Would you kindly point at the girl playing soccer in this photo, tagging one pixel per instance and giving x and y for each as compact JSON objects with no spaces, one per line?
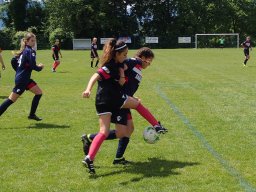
{"x":94,"y":52}
{"x":55,"y":55}
{"x":247,"y":45}
{"x":110,"y":96}
{"x":123,"y":118}
{"x":26,"y":64}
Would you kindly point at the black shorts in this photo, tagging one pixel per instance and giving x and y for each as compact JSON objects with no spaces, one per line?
{"x":55,"y":58}
{"x":110,"y":107}
{"x":246,"y":52}
{"x":20,"y":88}
{"x":121,"y":116}
{"x":94,"y":56}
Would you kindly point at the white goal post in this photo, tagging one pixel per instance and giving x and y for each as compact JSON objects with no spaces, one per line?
{"x":79,"y":44}
{"x":217,"y":34}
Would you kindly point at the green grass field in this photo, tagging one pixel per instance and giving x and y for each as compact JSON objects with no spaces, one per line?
{"x":205,"y":97}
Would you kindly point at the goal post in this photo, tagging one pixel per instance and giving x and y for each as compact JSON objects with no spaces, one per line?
{"x":211,"y":40}
{"x":80,"y":44}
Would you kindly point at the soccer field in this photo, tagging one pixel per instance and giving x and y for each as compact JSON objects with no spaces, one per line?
{"x":205,"y":97}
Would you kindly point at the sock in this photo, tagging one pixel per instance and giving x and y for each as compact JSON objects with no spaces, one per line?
{"x":123,"y":142}
{"x":5,"y":105}
{"x":34,"y":104}
{"x":54,"y":65}
{"x":96,"y":143}
{"x":97,"y":62}
{"x":245,"y":61}
{"x":91,"y":63}
{"x":144,"y":112}
{"x":111,"y":136}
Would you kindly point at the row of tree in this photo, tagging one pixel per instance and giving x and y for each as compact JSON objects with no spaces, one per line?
{"x":166,"y":19}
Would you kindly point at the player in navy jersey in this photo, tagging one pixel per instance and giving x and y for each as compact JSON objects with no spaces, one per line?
{"x":110,"y":97}
{"x":55,"y":55}
{"x":26,"y":63}
{"x":123,"y":117}
{"x":94,"y":52}
{"x":247,"y":45}
{"x":1,"y":61}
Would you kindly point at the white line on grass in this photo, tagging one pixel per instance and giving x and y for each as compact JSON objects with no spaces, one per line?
{"x":231,"y":170}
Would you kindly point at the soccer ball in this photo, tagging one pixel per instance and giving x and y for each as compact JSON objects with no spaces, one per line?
{"x":150,"y":135}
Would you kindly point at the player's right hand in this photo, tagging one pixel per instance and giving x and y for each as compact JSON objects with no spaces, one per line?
{"x":86,"y":94}
{"x":41,"y":65}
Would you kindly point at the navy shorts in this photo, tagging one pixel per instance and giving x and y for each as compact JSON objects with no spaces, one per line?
{"x":56,"y":58}
{"x":20,"y":87}
{"x":121,"y":116}
{"x":246,"y":52}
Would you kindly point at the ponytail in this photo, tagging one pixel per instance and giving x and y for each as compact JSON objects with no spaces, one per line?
{"x":23,"y":42}
{"x":110,"y":49}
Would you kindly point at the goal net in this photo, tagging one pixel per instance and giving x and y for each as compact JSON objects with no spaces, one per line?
{"x":79,"y":44}
{"x":217,"y":40}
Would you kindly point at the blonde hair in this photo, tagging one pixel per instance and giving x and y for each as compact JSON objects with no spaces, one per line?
{"x":23,"y":43}
{"x":110,"y":48}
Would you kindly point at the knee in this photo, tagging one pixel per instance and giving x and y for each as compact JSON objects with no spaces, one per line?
{"x":105,"y":132}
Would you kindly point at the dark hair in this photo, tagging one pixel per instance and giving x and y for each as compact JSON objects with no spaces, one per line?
{"x":110,"y":49}
{"x":145,"y":52}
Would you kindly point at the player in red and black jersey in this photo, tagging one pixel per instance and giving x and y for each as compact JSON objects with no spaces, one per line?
{"x":94,"y":52}
{"x":247,"y":45}
{"x":55,"y":55}
{"x":24,"y":66}
{"x":111,"y":97}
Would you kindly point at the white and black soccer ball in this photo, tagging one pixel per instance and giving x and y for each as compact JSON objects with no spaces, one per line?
{"x":150,"y":135}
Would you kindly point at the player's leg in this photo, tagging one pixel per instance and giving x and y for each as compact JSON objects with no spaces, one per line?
{"x":55,"y":65}
{"x":247,"y":56}
{"x":92,"y":62}
{"x":132,"y":103}
{"x":123,"y":143}
{"x":97,"y":62}
{"x":34,"y":88}
{"x":104,"y":120}
{"x":8,"y":102}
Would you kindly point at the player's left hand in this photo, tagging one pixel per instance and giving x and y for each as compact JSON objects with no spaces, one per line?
{"x":86,"y":94}
{"x":3,"y":67}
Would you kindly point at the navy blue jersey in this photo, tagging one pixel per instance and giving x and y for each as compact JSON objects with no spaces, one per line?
{"x":247,"y":44}
{"x":14,"y":62}
{"x":27,"y":63}
{"x":56,"y":50}
{"x":109,"y":90}
{"x":133,"y":75}
{"x":94,"y":52}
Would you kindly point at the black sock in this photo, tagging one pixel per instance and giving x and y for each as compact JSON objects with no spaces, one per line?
{"x":97,"y":62}
{"x":5,"y":105}
{"x":123,"y":142}
{"x":91,"y":63}
{"x":34,"y":105}
{"x":111,"y":136}
{"x":245,"y":61}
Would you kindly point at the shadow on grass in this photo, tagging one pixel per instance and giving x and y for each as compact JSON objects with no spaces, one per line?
{"x":47,"y":126}
{"x":154,"y":167}
{"x":4,"y":97}
{"x":63,"y":72}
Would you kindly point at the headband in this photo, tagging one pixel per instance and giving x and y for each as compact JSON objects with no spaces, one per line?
{"x":118,"y":48}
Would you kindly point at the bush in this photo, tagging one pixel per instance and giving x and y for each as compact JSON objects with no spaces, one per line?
{"x":5,"y":39}
{"x":64,"y":37}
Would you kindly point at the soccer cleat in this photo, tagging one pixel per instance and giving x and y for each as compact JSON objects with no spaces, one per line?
{"x":160,"y":129}
{"x":121,"y":161}
{"x":34,"y":117}
{"x":89,"y":164}
{"x":53,"y":70}
{"x":86,"y":144}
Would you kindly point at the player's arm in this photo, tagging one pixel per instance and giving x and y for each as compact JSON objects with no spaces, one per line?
{"x":2,"y":62}
{"x":92,"y":81}
{"x":60,"y":54}
{"x":31,"y":59}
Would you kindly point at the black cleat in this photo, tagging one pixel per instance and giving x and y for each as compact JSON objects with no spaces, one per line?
{"x":121,"y":161}
{"x":160,"y":129}
{"x":89,"y":164}
{"x":86,"y":144}
{"x":34,"y":117}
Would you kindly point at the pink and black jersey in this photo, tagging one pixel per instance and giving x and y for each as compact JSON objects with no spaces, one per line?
{"x":109,"y":90}
{"x":56,"y":50}
{"x":133,"y":75}
{"x":247,"y":44}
